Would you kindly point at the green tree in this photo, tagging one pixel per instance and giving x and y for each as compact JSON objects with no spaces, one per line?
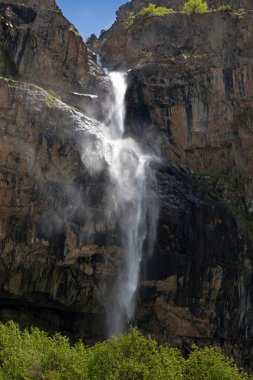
{"x":211,"y":364}
{"x":33,"y":355}
{"x":133,"y":356}
{"x":153,"y":10}
{"x":195,"y":6}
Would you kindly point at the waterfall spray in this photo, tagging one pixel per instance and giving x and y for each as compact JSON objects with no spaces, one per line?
{"x":131,"y":202}
{"x":131,"y":205}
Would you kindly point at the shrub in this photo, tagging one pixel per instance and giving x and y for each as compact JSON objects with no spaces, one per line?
{"x":240,"y":12}
{"x":130,"y":21}
{"x":150,"y":11}
{"x":153,"y":10}
{"x":73,"y":30}
{"x":224,"y":8}
{"x":195,"y":6}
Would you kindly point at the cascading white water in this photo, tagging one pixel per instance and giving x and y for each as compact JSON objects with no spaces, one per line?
{"x":130,"y":205}
{"x":117,"y":116}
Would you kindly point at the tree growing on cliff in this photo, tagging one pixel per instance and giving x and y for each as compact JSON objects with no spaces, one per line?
{"x":195,"y":6}
{"x":153,"y":10}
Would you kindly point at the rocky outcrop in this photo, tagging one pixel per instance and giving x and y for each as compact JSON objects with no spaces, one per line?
{"x":39,"y":45}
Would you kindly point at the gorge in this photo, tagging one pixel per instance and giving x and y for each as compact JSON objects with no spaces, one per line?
{"x":90,"y":187}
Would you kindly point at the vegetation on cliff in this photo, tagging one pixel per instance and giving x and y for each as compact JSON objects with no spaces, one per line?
{"x":190,"y":7}
{"x":150,"y":11}
{"x":195,"y":6}
{"x":153,"y":10}
{"x":32,"y":354}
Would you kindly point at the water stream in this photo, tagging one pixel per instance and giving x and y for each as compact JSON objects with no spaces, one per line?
{"x":132,"y":205}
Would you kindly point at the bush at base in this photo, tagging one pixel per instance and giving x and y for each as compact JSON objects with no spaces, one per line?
{"x":32,"y":354}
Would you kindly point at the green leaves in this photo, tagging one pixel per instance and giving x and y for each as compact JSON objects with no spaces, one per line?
{"x":195,"y":6}
{"x":150,"y":11}
{"x":211,"y":363}
{"x":153,"y":10}
{"x":222,"y":8}
{"x":32,"y":354}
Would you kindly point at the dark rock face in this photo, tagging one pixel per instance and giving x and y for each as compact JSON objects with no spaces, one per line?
{"x":198,"y":284}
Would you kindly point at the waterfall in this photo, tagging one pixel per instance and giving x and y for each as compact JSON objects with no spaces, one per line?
{"x":132,"y":205}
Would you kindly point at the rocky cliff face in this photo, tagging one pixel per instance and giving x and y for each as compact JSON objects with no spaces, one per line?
{"x":40,"y":46}
{"x":53,"y":229}
{"x":190,"y":94}
{"x":191,"y":81}
{"x":190,"y":89}
{"x":190,"y":102}
{"x":48,"y":256}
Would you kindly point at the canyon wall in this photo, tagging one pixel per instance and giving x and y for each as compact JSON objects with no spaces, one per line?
{"x":189,"y":101}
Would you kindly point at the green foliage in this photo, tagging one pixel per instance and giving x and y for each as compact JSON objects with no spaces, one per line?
{"x":224,"y":8}
{"x":32,"y":354}
{"x":130,"y":21}
{"x":52,"y":101}
{"x":153,"y":10}
{"x":73,"y":30}
{"x":240,"y":12}
{"x":134,"y":357}
{"x":150,"y":11}
{"x":211,"y":364}
{"x":195,"y":6}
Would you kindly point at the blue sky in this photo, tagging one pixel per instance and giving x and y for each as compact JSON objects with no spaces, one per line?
{"x":90,"y":16}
